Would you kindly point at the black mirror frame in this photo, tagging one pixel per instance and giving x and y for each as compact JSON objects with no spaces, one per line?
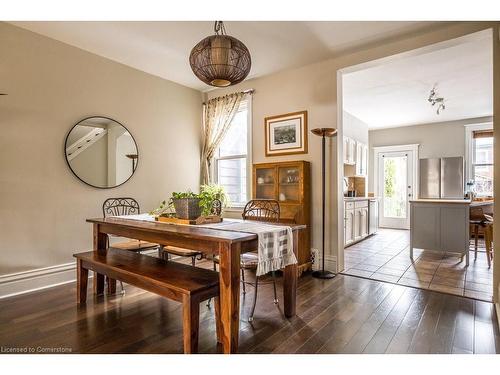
{"x":78,"y":177}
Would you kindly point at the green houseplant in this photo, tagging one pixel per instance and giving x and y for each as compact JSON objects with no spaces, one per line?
{"x":189,"y":205}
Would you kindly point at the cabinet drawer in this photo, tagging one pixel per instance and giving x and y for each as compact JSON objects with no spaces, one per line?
{"x":349,"y":205}
{"x":360,"y":204}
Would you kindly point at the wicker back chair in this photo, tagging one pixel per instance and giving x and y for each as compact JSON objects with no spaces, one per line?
{"x":262,"y":210}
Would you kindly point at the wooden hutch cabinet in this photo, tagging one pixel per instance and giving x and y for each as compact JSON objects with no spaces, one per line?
{"x":290,"y":184}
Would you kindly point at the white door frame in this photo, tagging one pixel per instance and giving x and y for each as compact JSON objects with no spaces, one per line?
{"x":413,"y":161}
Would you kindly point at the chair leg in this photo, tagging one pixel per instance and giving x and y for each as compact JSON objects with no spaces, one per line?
{"x":250,"y":319}
{"x":190,"y":323}
{"x":82,"y":277}
{"x":218,"y":323}
{"x":476,"y":236}
{"x":215,"y":266}
{"x":160,"y":251}
{"x":243,"y":283}
{"x":487,"y":241}
{"x":274,"y":286}
{"x":193,"y":261}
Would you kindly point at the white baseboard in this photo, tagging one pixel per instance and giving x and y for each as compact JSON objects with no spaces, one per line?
{"x":330,"y":261}
{"x":40,"y":278}
{"x":37,"y":279}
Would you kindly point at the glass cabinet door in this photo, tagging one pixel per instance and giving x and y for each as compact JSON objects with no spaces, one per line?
{"x":265,"y":183}
{"x":289,"y":178}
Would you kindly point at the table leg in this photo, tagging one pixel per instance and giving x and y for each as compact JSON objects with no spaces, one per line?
{"x":100,"y":241}
{"x":229,"y":275}
{"x":290,"y":283}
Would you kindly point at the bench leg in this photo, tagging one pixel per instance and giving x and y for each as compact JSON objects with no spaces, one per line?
{"x":191,"y":318}
{"x":218,"y":324}
{"x":98,"y":283}
{"x":82,"y":276}
{"x":111,"y":285}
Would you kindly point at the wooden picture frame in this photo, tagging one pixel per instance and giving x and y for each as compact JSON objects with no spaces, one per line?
{"x":286,"y":134}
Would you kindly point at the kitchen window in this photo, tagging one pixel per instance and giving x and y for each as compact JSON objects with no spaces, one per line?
{"x":482,"y":162}
{"x":479,"y":158}
{"x":232,"y":158}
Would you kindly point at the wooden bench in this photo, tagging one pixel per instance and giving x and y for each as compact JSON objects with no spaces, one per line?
{"x":179,"y":282}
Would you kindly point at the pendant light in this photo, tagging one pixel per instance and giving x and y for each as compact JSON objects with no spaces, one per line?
{"x":220,"y":60}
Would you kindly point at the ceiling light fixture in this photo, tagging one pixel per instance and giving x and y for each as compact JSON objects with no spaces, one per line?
{"x":220,"y":60}
{"x":435,"y":99}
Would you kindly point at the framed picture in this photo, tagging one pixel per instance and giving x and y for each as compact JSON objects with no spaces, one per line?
{"x":286,"y":134}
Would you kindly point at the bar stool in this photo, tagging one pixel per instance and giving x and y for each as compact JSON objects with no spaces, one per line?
{"x":488,"y":239}
{"x":478,"y":219}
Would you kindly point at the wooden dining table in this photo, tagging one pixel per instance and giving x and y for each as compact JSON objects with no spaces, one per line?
{"x":227,"y":244}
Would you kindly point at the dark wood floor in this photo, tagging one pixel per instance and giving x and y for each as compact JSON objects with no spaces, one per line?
{"x":344,"y":315}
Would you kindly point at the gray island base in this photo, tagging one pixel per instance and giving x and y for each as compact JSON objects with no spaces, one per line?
{"x":440,"y":225}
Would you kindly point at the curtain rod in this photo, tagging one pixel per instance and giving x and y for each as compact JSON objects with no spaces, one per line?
{"x":249,"y":91}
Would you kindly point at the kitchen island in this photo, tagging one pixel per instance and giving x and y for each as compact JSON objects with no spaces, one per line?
{"x":440,"y":225}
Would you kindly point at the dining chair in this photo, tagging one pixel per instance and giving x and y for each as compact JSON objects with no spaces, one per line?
{"x":121,"y":207}
{"x":267,"y":210}
{"x":167,"y":251}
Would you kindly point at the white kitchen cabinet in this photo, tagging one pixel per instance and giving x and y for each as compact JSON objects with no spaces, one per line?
{"x":356,"y":221}
{"x":349,"y":151}
{"x":357,"y":224}
{"x":348,"y":226}
{"x":364,"y":222}
{"x":361,"y":159}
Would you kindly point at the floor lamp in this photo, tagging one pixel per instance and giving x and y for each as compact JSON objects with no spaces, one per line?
{"x":323,"y":133}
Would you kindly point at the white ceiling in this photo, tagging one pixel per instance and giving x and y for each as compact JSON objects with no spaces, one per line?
{"x":162,"y":48}
{"x":395,"y":93}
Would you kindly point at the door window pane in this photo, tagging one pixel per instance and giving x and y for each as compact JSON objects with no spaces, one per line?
{"x":395,"y":187}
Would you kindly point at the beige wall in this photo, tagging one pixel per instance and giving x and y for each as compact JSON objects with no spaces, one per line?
{"x":314,"y":88}
{"x":52,"y":86}
{"x":435,"y":140}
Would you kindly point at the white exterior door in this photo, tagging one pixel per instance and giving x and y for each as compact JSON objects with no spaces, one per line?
{"x":395,"y":188}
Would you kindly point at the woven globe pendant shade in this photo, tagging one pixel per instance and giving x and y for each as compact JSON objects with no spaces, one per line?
{"x":220,"y":60}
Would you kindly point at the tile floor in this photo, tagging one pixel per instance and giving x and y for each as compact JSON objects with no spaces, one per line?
{"x":385,"y":257}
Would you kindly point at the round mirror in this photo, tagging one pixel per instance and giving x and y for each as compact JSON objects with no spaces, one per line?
{"x":101,"y":152}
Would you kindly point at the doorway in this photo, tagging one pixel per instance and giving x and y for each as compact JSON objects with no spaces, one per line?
{"x":395,"y":188}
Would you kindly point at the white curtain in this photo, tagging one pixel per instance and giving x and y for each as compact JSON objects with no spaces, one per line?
{"x":217,"y":116}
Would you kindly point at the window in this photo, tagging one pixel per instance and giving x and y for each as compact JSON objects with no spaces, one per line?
{"x":232,"y":158}
{"x":482,"y":162}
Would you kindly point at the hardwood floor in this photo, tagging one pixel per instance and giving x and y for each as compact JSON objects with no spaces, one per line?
{"x":343,"y":315}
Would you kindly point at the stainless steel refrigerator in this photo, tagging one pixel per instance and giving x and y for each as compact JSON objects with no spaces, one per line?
{"x":442,"y":178}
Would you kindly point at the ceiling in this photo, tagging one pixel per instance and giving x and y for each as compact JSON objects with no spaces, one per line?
{"x":395,"y":93}
{"x":162,"y":48}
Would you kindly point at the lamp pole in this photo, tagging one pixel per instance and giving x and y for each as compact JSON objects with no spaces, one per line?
{"x":323,"y":133}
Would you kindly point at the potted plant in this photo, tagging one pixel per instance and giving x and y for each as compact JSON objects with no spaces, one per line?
{"x":187,"y":205}
{"x":190,"y":206}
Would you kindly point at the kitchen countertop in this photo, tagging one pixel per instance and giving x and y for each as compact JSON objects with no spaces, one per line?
{"x":353,"y":199}
{"x":455,"y":201}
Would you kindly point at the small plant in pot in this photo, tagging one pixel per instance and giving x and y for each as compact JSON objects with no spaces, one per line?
{"x":190,"y":206}
{"x":187,"y":205}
